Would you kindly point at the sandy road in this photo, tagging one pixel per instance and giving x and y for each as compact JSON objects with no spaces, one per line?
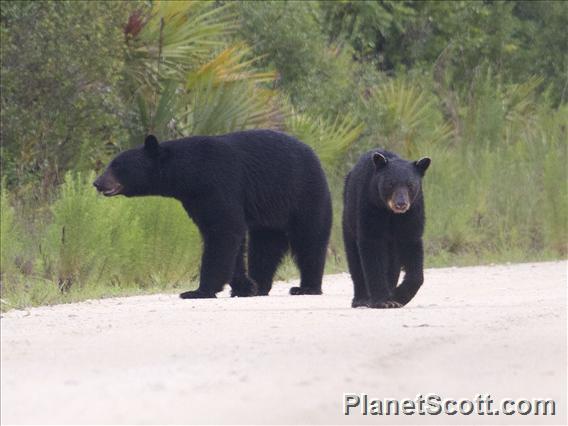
{"x":498,"y":330}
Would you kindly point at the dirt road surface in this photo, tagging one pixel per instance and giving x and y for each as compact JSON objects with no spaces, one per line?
{"x":498,"y":330}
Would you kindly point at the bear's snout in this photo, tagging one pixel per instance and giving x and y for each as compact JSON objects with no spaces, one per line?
{"x":98,"y":184}
{"x":400,"y":201}
{"x":401,"y":205}
{"x":107,"y":184}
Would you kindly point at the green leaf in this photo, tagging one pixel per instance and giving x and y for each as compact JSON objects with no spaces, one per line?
{"x":329,"y":138}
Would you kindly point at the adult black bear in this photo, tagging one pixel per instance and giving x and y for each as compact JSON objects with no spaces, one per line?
{"x":383,"y":222}
{"x":260,"y":181}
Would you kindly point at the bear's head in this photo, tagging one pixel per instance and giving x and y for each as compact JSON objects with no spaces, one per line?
{"x":399,"y":182}
{"x":135,"y":172}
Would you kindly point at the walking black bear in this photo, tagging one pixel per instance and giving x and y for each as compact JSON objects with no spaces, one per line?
{"x":260,"y":181}
{"x":383,"y":222}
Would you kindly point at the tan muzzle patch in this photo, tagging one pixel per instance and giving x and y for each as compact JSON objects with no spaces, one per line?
{"x":398,"y":209}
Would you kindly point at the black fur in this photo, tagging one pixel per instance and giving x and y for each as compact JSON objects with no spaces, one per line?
{"x":260,"y":181}
{"x":383,"y":223}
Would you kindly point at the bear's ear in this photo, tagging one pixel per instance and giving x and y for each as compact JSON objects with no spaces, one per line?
{"x":151,"y":146}
{"x":380,"y":160}
{"x":422,"y":165}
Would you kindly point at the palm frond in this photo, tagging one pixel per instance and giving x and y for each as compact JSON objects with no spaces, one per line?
{"x":228,"y":66}
{"x":157,"y":109}
{"x":182,"y":85}
{"x":407,"y":116}
{"x":219,"y":107}
{"x":176,"y":37}
{"x":518,"y":99}
{"x":330,"y":138}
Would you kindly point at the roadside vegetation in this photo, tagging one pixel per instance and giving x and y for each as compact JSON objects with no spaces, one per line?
{"x":480,"y":87}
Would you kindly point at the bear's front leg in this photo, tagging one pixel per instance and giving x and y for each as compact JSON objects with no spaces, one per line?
{"x":412,"y":255}
{"x":375,"y":261}
{"x":217,"y":263}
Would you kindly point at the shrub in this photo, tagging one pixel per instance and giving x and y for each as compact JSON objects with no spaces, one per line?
{"x":121,"y":242}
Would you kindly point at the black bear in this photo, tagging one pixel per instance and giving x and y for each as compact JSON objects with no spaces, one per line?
{"x":261,"y":181}
{"x":383,"y":222}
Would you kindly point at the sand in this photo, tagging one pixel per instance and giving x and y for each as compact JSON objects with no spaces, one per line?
{"x":498,"y":330}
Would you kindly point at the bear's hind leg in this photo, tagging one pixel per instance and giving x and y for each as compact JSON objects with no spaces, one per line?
{"x":309,"y":247}
{"x":241,"y":285}
{"x":266,"y":250}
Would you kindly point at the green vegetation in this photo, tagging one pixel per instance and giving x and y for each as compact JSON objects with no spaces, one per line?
{"x":480,"y":87}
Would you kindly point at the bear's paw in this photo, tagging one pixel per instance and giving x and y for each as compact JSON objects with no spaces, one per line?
{"x":197,"y":294}
{"x":296,"y":291}
{"x":385,"y":304}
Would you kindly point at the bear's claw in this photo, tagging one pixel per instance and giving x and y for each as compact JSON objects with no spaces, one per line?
{"x":401,"y":296}
{"x":385,"y":304}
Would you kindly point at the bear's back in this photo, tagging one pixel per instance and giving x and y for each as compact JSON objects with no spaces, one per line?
{"x":271,"y":173}
{"x":281,"y":176}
